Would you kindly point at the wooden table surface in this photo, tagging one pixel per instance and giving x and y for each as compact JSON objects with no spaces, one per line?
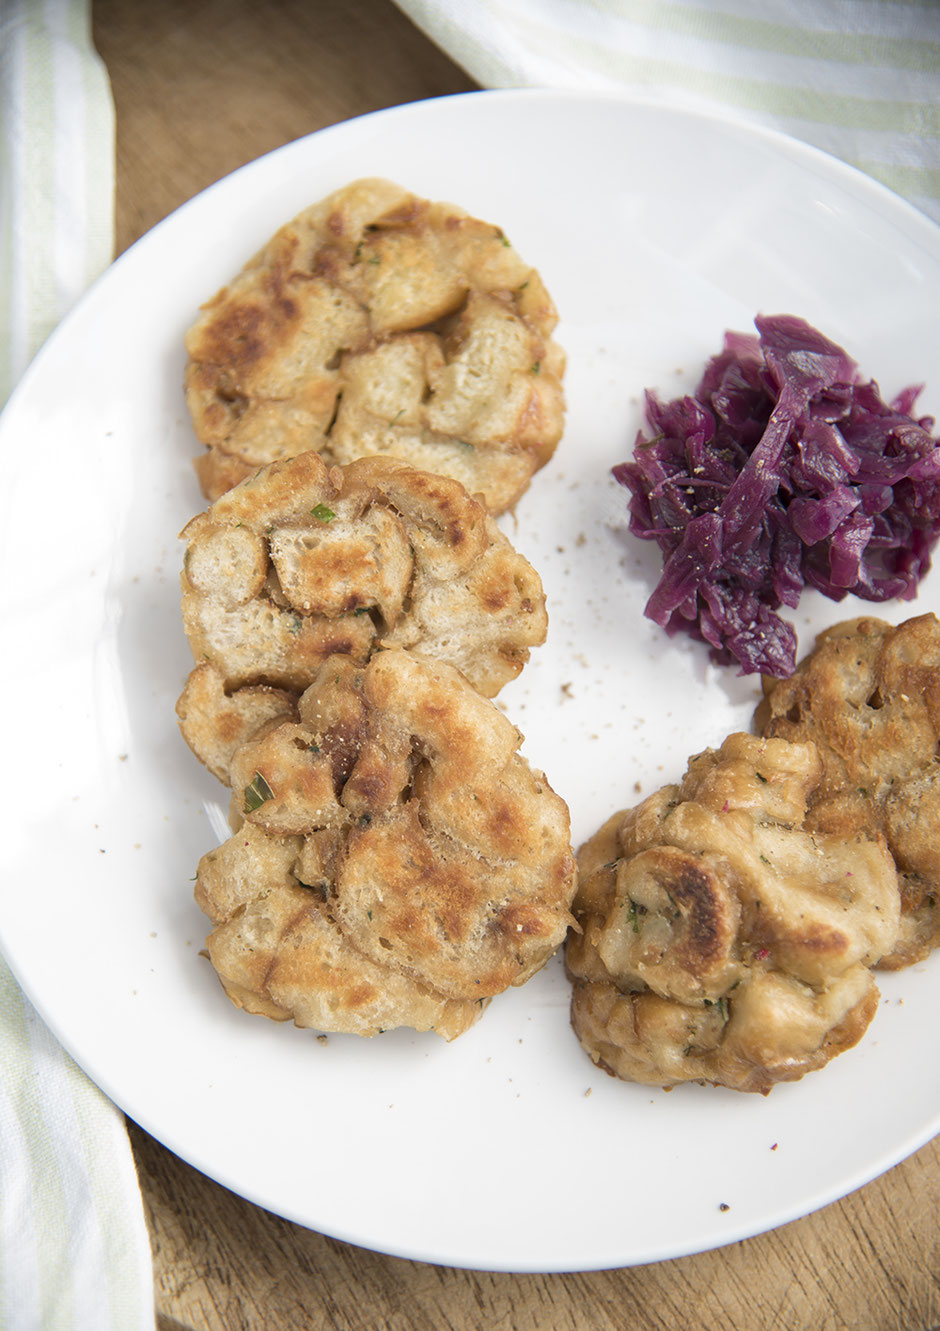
{"x":201,"y":87}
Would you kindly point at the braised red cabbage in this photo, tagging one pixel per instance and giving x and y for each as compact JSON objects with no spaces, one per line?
{"x":784,"y":470}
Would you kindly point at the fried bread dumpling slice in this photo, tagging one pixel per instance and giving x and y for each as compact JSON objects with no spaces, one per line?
{"x":378,"y":322}
{"x":868,"y":696}
{"x":302,"y":561}
{"x":720,"y":940}
{"x":425,"y":843}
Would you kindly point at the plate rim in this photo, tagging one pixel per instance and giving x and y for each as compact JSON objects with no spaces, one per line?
{"x":797,"y":150}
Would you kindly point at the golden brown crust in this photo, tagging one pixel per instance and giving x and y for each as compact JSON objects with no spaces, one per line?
{"x":302,"y":562}
{"x":722,"y":941}
{"x":279,"y":954}
{"x":377,"y":322}
{"x":436,"y":855}
{"x":215,"y":723}
{"x":780,"y":1032}
{"x":868,"y":696}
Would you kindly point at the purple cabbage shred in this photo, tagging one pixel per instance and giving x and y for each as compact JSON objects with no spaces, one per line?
{"x":785,"y":470}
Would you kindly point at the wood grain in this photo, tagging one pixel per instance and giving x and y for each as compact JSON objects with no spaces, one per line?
{"x":200,"y":87}
{"x":871,"y":1261}
{"x":203,"y":86}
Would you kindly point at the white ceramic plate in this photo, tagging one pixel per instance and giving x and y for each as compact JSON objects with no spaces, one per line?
{"x":655,"y":230}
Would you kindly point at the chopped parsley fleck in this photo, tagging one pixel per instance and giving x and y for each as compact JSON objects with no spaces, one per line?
{"x":536,"y":367}
{"x":257,"y":792}
{"x":761,"y":778}
{"x":322,"y":513}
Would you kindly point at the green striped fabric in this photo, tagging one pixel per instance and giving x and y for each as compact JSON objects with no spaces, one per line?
{"x":74,"y":1248}
{"x":56,"y":171}
{"x":858,"y":78}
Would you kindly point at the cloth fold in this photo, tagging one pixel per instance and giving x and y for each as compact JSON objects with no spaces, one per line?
{"x":56,"y":171}
{"x":859,"y":79}
{"x":74,"y":1247}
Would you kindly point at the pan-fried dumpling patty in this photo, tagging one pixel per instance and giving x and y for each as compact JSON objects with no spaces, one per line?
{"x":301,"y":561}
{"x":392,"y":828}
{"x":868,"y":696}
{"x":380,"y":323}
{"x":721,"y":941}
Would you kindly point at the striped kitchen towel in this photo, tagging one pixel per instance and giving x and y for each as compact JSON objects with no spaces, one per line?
{"x":74,"y":1248}
{"x":56,"y":171}
{"x":858,"y":78}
